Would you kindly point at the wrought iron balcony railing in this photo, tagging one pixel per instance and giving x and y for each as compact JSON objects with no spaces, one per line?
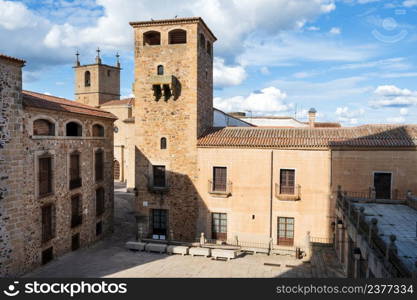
{"x":223,"y":190}
{"x":286,"y":193}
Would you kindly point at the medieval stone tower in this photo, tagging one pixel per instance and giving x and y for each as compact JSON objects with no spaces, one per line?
{"x":97,"y":83}
{"x":174,"y":105}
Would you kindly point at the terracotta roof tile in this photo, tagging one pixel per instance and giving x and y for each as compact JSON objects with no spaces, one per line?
{"x":37,"y":100}
{"x":384,"y":136}
{"x":13,"y":59}
{"x":127,"y":101}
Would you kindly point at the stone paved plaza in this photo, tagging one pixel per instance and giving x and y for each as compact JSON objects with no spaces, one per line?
{"x":109,"y":258}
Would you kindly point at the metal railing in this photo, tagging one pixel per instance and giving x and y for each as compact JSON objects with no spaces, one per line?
{"x":288,"y":193}
{"x":225,"y":190}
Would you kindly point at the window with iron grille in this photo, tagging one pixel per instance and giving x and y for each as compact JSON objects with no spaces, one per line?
{"x":159,"y":222}
{"x":45,"y":176}
{"x":99,"y":202}
{"x":287,"y":181}
{"x":219,"y":226}
{"x":76,"y":211}
{"x":285,"y":231}
{"x":75,"y":176}
{"x":48,"y":222}
{"x":219,"y":179}
{"x":159,"y":176}
{"x":99,"y":164}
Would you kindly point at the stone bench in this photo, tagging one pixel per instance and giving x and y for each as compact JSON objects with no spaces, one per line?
{"x":255,"y":250}
{"x":175,"y":249}
{"x":200,"y":251}
{"x":223,"y":253}
{"x":152,"y":247}
{"x":136,"y":246}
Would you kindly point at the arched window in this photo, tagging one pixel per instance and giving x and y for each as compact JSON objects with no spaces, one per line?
{"x":202,"y":41}
{"x":74,"y":129}
{"x":98,"y":130}
{"x":43,"y":127}
{"x":177,"y":36}
{"x":163,"y":143}
{"x":160,"y":70}
{"x":151,"y":38}
{"x":209,"y":48}
{"x":87,"y":78}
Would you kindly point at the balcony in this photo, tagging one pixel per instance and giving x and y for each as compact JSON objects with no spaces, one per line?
{"x":162,"y":79}
{"x":158,"y":189}
{"x":220,"y":191}
{"x":288,"y":193}
{"x":76,"y":220}
{"x":75,"y":183}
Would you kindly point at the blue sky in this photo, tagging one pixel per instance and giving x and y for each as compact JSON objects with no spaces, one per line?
{"x":355,"y":61}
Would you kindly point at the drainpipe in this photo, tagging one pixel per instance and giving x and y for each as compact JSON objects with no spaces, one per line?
{"x":271,"y":199}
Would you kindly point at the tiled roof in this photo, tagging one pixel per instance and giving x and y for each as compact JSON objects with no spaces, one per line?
{"x":325,"y":124}
{"x":37,"y":100}
{"x":374,"y":136}
{"x":13,"y":59}
{"x":127,"y":101}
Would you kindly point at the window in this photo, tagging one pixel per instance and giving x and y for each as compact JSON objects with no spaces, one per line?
{"x":98,"y":130}
{"x":45,"y":176}
{"x":43,"y":128}
{"x":219,"y":179}
{"x":209,"y":48}
{"x":47,"y":255}
{"x":178,"y":36}
{"x":74,"y":129}
{"x":160,"y":70}
{"x":87,"y":78}
{"x":202,"y":41}
{"x":287,"y":181}
{"x":99,"y":164}
{"x":108,"y":73}
{"x":76,"y":211}
{"x":75,"y":242}
{"x":159,"y":224}
{"x":285,"y":231}
{"x":219,"y":226}
{"x":163,"y":143}
{"x":116,"y":167}
{"x":48,"y":224}
{"x":99,"y":202}
{"x":151,"y":38}
{"x":99,"y":228}
{"x":75,"y":174}
{"x":159,"y":176}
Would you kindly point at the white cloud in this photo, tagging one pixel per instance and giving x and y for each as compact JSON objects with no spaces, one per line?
{"x":227,"y":75}
{"x":348,"y":116}
{"x":269,"y":101}
{"x":313,"y":28}
{"x":264,"y":70}
{"x":393,"y":96}
{"x":410,"y":3}
{"x":15,"y":15}
{"x":396,"y":120}
{"x":335,"y":31}
{"x":404,"y":111}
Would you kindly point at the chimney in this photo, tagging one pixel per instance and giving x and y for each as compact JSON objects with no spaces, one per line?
{"x":312,"y":117}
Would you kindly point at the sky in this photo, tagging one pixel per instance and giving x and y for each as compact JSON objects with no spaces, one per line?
{"x":355,"y":61}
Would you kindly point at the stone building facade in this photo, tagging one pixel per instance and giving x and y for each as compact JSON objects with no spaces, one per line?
{"x":57,"y":175}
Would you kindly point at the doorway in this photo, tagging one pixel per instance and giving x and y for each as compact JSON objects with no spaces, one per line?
{"x":159,"y":224}
{"x":382,"y":184}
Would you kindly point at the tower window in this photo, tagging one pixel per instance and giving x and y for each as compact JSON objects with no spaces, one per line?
{"x":202,"y":41}
{"x":87,"y":78}
{"x":151,"y":38}
{"x":209,"y":48}
{"x":160,"y":70}
{"x":163,"y":143}
{"x":74,"y":129}
{"x":178,"y":36}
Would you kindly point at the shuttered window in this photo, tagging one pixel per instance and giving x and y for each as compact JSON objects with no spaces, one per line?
{"x":219,"y":179}
{"x":287,"y":181}
{"x":159,"y":176}
{"x":99,"y":201}
{"x":45,"y":176}
{"x":76,"y":211}
{"x":75,"y":178}
{"x":47,"y":222}
{"x":178,"y":36}
{"x":285,"y":231}
{"x":99,"y":165}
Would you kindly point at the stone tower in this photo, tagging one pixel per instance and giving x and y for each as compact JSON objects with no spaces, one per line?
{"x":97,"y":83}
{"x":174,"y":105}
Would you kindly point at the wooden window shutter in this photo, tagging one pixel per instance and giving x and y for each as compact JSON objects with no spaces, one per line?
{"x":287,"y":181}
{"x":219,"y":178}
{"x":45,"y":176}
